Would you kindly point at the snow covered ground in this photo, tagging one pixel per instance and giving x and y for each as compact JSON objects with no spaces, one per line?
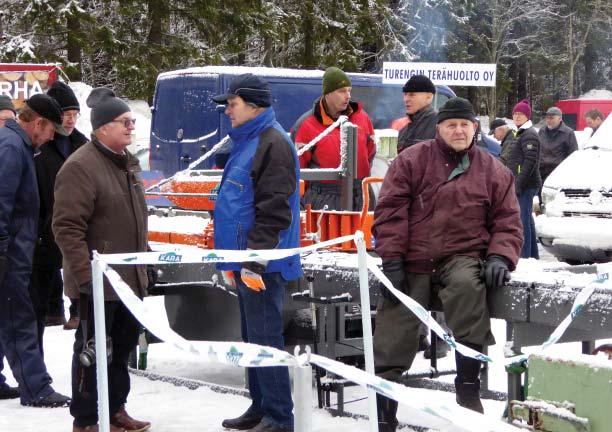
{"x":172,"y":408}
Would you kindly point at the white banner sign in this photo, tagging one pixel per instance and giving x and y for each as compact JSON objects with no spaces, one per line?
{"x":461,"y":74}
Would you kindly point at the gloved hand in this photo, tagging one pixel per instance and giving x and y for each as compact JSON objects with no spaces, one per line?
{"x":228,"y":278}
{"x":495,"y":272}
{"x":152,"y":276}
{"x":251,"y":275}
{"x":2,"y":267}
{"x":86,"y":288}
{"x":394,"y":270}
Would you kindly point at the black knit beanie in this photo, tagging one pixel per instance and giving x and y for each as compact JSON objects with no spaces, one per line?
{"x":64,"y":96}
{"x":456,"y":108}
{"x":105,"y":107}
{"x":419,"y":84}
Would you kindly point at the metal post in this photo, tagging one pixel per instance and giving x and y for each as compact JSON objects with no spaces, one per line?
{"x":302,"y":396}
{"x":100,"y":342}
{"x":366,"y":323}
{"x":349,"y":131}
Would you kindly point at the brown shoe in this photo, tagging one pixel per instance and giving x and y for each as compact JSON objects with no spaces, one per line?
{"x":122,"y":419}
{"x":72,"y":323}
{"x":94,"y":428}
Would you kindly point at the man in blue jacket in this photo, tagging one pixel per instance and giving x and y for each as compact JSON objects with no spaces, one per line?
{"x":19,"y":140}
{"x":258,"y":208}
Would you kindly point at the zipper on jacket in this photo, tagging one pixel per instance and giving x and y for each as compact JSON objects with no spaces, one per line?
{"x":235,"y":183}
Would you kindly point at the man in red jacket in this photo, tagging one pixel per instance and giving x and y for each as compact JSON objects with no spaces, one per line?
{"x":335,"y":101}
{"x":447,"y":224}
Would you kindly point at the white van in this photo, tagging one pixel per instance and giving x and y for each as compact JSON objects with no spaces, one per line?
{"x":576,"y":225}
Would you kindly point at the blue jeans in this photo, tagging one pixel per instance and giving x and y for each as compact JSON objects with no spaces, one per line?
{"x":530,"y":245}
{"x":261,"y":318}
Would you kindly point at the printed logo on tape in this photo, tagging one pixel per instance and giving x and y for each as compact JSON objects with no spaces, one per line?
{"x":170,"y":257}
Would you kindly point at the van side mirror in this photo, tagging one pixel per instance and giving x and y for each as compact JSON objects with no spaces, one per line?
{"x":220,"y":108}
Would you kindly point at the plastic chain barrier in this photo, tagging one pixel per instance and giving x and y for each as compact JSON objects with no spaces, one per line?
{"x":194,"y":255}
{"x":602,"y":280}
{"x":442,"y":416}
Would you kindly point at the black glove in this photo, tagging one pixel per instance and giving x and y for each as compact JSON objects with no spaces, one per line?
{"x":2,"y":267}
{"x":86,"y":288}
{"x":152,"y":276}
{"x":394,"y":270}
{"x":495,"y":272}
{"x":255,"y":267}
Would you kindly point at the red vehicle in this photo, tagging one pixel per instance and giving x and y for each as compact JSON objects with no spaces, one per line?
{"x":575,"y":109}
{"x":19,"y":81}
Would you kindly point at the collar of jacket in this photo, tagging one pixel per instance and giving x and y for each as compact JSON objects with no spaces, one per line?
{"x":253,"y":127}
{"x":124,"y":162}
{"x":555,"y":130}
{"x":14,"y":126}
{"x":523,"y":127}
{"x":421,"y":113}
{"x":320,"y":111}
{"x":76,"y":138}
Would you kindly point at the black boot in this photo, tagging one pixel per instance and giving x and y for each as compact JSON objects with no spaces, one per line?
{"x":468,"y":395}
{"x":246,"y":421}
{"x":387,"y":411}
{"x":467,"y":383}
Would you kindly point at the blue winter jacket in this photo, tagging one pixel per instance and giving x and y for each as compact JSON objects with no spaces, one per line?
{"x":258,"y":203}
{"x":19,"y":205}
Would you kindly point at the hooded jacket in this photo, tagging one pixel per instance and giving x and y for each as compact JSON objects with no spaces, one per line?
{"x":436,"y":203}
{"x":258,"y":206}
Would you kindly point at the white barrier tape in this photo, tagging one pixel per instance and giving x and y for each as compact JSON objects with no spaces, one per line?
{"x":602,"y":279}
{"x":232,"y":353}
{"x":322,"y":135}
{"x":194,"y":255}
{"x":422,"y":314}
{"x":438,"y":415}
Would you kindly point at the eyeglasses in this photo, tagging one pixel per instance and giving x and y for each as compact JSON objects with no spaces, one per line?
{"x":126,"y":122}
{"x":71,"y":115}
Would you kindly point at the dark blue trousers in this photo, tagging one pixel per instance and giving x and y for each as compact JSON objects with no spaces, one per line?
{"x":530,"y":245}
{"x":19,"y":337}
{"x":261,"y":316}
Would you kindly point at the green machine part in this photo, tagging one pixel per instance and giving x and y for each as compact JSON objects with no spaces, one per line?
{"x":582,"y":380}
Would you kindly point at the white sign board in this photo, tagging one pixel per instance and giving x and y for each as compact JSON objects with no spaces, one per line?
{"x":461,"y":74}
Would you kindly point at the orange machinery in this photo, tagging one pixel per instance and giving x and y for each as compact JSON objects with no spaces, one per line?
{"x":316,"y":225}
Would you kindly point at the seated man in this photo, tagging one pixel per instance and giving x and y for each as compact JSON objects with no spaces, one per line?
{"x":445,"y":206}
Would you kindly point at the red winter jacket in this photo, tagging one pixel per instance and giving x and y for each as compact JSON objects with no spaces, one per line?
{"x":326,"y":154}
{"x":436,"y":203}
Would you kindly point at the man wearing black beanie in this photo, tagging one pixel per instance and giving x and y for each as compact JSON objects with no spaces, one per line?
{"x":100,"y":205}
{"x":419,"y":92}
{"x":445,"y":207}
{"x":46,"y":286}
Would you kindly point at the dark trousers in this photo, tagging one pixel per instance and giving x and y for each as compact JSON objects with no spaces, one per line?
{"x":261,"y":319}
{"x":55,"y":307}
{"x":530,"y":245}
{"x":2,"y":377}
{"x":19,"y":337}
{"x":42,"y":284}
{"x":463,"y":295}
{"x":73,"y":309}
{"x":123,"y":329}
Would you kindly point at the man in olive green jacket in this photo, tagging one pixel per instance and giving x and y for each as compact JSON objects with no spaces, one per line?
{"x":100,"y":205}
